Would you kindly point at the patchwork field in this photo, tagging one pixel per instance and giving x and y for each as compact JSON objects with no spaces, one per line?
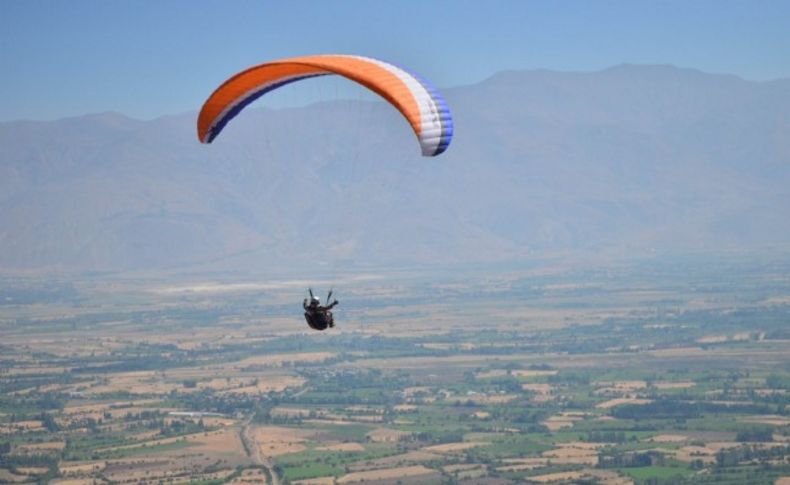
{"x":619,"y":375}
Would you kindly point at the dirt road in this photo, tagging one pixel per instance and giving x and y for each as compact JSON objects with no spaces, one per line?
{"x":254,"y":451}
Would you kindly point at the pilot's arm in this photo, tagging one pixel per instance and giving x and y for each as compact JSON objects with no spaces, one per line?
{"x":332,"y":304}
{"x":304,"y":304}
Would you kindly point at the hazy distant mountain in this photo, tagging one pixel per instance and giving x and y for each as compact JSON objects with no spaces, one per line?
{"x":627,"y":160}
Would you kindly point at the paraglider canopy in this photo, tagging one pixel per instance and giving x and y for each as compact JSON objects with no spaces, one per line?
{"x":421,"y":105}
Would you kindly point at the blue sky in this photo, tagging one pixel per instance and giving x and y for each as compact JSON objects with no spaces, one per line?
{"x":148,"y":58}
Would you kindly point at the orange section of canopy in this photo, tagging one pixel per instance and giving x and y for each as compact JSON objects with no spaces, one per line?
{"x":371,"y":75}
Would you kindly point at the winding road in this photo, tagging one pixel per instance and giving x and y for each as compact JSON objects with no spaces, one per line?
{"x":254,"y":451}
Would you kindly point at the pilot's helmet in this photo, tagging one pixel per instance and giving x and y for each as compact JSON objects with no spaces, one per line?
{"x":315,"y":301}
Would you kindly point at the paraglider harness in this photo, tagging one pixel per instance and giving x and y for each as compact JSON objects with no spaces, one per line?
{"x":318,"y":317}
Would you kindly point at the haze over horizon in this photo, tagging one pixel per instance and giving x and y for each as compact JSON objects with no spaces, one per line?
{"x":627,"y":161}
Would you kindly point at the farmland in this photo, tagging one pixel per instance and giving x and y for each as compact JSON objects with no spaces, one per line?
{"x":659,"y":372}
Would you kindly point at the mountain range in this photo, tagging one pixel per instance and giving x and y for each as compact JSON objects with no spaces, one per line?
{"x":628,"y":161}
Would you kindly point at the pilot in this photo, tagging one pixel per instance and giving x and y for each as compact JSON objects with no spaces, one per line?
{"x":318,"y":317}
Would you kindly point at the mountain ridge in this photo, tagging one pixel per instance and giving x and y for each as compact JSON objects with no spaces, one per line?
{"x":619,"y":160}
